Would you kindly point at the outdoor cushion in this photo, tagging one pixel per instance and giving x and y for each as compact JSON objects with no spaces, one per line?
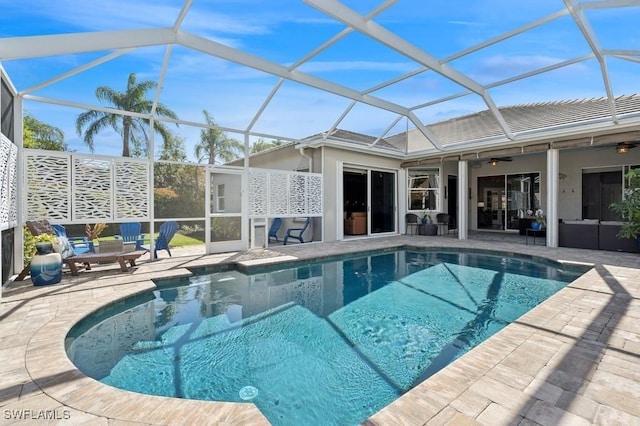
{"x":64,"y":247}
{"x":582,"y":222}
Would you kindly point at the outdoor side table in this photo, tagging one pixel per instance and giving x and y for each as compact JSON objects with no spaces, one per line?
{"x":534,"y":233}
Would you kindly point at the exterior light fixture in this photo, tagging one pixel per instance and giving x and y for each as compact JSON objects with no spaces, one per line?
{"x":495,"y":160}
{"x":624,"y":147}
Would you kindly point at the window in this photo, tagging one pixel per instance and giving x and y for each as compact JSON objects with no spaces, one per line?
{"x":423,"y":187}
{"x":220,"y":198}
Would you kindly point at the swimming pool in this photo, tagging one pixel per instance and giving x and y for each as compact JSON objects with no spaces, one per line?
{"x":328,"y":343}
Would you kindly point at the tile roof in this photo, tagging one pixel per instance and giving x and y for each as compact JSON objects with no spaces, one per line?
{"x":483,"y":125}
{"x":530,"y":117}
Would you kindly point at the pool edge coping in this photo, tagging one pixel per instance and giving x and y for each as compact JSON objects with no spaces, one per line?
{"x":59,"y":327}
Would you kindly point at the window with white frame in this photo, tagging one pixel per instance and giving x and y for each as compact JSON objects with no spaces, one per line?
{"x":423,"y":186}
{"x":220,"y":198}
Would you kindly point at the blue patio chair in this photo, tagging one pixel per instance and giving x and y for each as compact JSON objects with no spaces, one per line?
{"x":275,"y":226}
{"x":296,"y":233}
{"x":166,"y":233}
{"x":80,"y":245}
{"x":131,"y":232}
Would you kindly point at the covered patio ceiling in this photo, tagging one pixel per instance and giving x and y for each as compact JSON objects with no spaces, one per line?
{"x":286,"y":70}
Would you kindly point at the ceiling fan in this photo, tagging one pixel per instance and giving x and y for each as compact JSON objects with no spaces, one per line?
{"x":494,"y":161}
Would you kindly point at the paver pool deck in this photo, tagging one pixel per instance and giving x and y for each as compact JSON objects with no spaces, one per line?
{"x":574,"y":359}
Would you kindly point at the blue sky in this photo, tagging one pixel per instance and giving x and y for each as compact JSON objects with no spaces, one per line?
{"x":283,"y":32}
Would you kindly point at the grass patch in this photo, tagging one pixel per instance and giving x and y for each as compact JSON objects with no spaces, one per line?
{"x":178,"y":240}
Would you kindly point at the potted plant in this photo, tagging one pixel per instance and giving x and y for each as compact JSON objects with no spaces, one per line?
{"x":629,"y":207}
{"x":428,"y":227}
{"x":31,"y":243}
{"x":93,"y":233}
{"x":538,"y":220}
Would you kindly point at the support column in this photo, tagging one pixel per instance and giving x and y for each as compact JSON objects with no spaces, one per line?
{"x":463,"y":200}
{"x":21,"y":199}
{"x":553,"y":171}
{"x":152,"y":184}
{"x":244,"y":209}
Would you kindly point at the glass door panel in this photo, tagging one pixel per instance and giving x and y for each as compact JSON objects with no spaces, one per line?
{"x":491,"y":202}
{"x":383,"y":201}
{"x":523,"y":194}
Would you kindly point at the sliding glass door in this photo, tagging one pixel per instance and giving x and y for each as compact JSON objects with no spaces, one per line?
{"x":369,"y":201}
{"x":383,"y":202}
{"x":505,"y":199}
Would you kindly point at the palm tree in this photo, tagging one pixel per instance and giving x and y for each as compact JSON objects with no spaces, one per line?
{"x":134,"y":130}
{"x":262,"y":145}
{"x":214,"y":143}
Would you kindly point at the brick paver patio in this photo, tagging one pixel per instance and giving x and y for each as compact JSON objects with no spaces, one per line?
{"x":575,"y":359}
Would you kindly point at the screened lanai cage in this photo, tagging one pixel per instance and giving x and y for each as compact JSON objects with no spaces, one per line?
{"x":401,"y":86}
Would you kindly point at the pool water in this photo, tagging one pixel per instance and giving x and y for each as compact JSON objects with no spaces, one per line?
{"x":325,"y":343}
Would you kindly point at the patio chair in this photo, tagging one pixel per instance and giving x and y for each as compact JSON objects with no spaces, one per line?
{"x":296,"y":233}
{"x":166,"y":233}
{"x":80,"y":245}
{"x":411,"y":219}
{"x":130,"y":233}
{"x":275,"y":227}
{"x":443,"y":222}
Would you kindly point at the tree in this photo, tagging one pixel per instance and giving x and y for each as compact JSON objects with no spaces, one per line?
{"x":262,"y":145}
{"x":173,"y":149}
{"x":134,"y":130}
{"x":629,"y":207}
{"x":40,"y":135}
{"x":214,"y":144}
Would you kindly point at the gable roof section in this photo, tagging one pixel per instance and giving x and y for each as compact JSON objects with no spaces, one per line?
{"x":354,"y":138}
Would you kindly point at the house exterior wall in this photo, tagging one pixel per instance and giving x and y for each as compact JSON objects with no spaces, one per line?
{"x":232,"y":193}
{"x":327,"y":159}
{"x":572,"y":163}
{"x":285,"y":158}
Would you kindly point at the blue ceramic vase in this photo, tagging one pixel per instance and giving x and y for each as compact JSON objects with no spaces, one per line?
{"x":46,"y":265}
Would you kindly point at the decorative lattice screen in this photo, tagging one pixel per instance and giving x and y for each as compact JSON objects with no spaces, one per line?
{"x":48,"y":186}
{"x":9,"y":179}
{"x":280,"y":193}
{"x":65,"y":187}
{"x":72,"y":188}
{"x":92,"y":188}
{"x":259,"y":185}
{"x":132,"y":195}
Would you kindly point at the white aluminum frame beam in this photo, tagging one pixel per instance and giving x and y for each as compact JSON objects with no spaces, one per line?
{"x":590,"y":37}
{"x":349,"y":17}
{"x":68,"y":44}
{"x":76,"y":71}
{"x":224,"y":52}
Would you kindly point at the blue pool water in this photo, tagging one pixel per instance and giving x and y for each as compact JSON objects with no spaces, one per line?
{"x":325,"y":343}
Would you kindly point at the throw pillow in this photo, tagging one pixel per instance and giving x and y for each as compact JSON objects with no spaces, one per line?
{"x":64,"y":247}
